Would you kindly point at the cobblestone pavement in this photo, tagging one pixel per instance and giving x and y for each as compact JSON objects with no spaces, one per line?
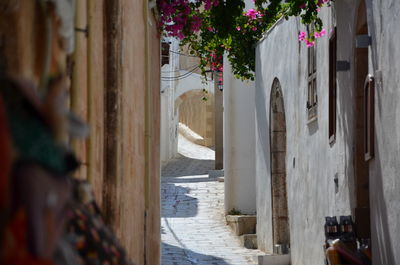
{"x":193,"y":227}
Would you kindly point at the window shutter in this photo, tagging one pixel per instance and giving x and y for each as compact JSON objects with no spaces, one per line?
{"x":332,"y":86}
{"x":369,"y":112}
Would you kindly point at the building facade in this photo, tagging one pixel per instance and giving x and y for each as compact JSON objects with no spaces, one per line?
{"x":115,"y":87}
{"x":326,"y":131}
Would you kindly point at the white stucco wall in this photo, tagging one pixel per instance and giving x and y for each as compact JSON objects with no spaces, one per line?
{"x":239,"y":140}
{"x":193,"y":81}
{"x":174,"y":83}
{"x":169,"y":117}
{"x":311,"y":161}
{"x":239,"y":143}
{"x":384,"y":21}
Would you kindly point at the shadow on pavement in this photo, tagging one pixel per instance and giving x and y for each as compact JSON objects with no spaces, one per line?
{"x":185,"y":166}
{"x":176,"y":255}
{"x":176,"y":203}
{"x":190,"y":179}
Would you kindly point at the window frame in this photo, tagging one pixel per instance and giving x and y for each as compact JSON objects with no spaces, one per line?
{"x":369,"y":117}
{"x":332,"y":86}
{"x":165,"y":54}
{"x":312,"y":95}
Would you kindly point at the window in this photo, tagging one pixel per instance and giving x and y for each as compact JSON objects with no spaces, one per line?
{"x":332,"y":87}
{"x":369,"y":109}
{"x":164,"y":53}
{"x":312,"y":101}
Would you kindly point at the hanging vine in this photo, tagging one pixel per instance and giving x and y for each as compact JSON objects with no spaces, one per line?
{"x":212,"y":27}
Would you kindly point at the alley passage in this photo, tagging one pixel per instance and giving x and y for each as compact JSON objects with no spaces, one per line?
{"x":193,"y":230}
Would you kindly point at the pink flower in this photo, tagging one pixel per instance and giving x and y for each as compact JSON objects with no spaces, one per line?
{"x":302,"y":6}
{"x":320,"y":34}
{"x":180,"y":35}
{"x":208,"y":4}
{"x":196,"y":24}
{"x":252,"y":14}
{"x":238,"y":28}
{"x":309,"y":43}
{"x":321,"y":2}
{"x":302,"y":36}
{"x":254,"y":28}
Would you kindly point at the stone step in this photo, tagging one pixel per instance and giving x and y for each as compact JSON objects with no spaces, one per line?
{"x":272,"y":259}
{"x":249,"y":241}
{"x":242,"y":224}
{"x":216,"y":173}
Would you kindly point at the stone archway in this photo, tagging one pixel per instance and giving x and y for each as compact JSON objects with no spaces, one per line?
{"x":280,"y":214}
{"x":197,"y":114}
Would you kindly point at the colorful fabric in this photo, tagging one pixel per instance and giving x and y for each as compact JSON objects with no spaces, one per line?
{"x":93,"y":240}
{"x":15,"y":250}
{"x":31,"y":136}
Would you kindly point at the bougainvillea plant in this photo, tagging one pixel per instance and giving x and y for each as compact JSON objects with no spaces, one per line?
{"x":212,"y":27}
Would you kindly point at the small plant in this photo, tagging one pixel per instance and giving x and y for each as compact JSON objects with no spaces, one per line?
{"x":234,"y":212}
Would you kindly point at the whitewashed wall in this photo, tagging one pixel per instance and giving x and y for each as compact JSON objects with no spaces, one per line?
{"x":384,"y":23}
{"x":311,"y":161}
{"x":239,"y":143}
{"x":169,"y":117}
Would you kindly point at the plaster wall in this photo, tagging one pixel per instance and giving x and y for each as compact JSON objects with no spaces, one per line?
{"x":383,"y":22}
{"x":239,"y":143}
{"x":169,"y":116}
{"x":131,"y":189}
{"x":198,"y":114}
{"x":311,"y":162}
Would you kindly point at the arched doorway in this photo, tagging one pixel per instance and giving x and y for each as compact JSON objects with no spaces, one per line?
{"x":361,"y":168}
{"x":280,"y":215}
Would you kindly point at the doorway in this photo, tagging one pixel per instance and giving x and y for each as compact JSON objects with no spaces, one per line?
{"x":361,"y":167}
{"x":280,"y":215}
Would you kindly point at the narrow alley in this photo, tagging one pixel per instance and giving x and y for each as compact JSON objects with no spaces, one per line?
{"x":193,"y":229}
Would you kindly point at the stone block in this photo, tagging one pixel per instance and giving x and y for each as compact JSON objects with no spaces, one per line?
{"x":278,"y":122}
{"x":215,"y":173}
{"x":249,"y":241}
{"x":278,"y":162}
{"x":242,"y":224}
{"x":274,"y":259}
{"x":278,"y":142}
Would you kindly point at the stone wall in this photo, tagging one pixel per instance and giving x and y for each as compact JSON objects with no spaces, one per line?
{"x":198,"y":114}
{"x":115,"y":87}
{"x":116,"y":84}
